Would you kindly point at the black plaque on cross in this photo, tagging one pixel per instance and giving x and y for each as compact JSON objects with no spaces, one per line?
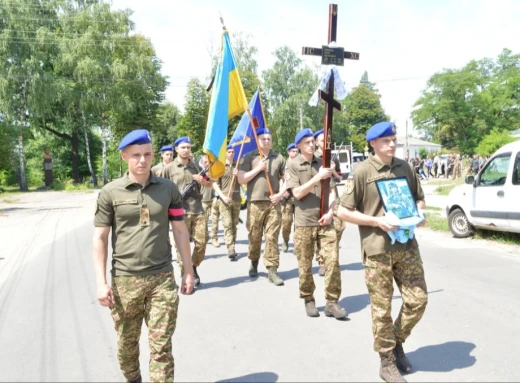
{"x":329,"y":56}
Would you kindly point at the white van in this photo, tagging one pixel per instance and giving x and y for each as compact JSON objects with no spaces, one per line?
{"x":491,"y":200}
{"x":348,"y":160}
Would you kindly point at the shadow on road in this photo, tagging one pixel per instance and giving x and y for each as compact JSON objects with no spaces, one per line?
{"x":444,"y":357}
{"x":255,"y":377}
{"x":285,"y":275}
{"x":231,"y":281}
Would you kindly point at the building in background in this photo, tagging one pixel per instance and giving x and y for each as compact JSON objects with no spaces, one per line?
{"x":414,"y":145}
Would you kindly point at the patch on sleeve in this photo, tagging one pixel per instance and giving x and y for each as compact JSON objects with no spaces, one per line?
{"x":349,"y":185}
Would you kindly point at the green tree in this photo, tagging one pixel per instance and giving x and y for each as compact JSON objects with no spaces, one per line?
{"x":164,"y":128}
{"x":366,"y":82}
{"x":494,"y":141}
{"x":362,"y":109}
{"x":196,"y":108}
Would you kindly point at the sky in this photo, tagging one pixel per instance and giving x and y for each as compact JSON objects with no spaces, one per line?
{"x":401,"y":42}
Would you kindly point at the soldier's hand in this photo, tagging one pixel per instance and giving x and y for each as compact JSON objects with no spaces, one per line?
{"x":105,"y":295}
{"x":275,"y":199}
{"x":235,"y":172}
{"x":226,"y":200}
{"x":326,"y":219}
{"x":198,"y":178}
{"x":385,"y":226}
{"x":324,"y":173}
{"x":262,"y":165}
{"x":187,"y":283}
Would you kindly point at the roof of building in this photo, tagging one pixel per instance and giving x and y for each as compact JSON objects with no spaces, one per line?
{"x":415,"y":142}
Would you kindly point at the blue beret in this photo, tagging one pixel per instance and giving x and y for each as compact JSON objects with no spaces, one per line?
{"x":230,"y":146}
{"x":262,"y":131}
{"x":381,"y":129}
{"x":321,"y":131}
{"x":302,"y":134}
{"x":135,"y":137}
{"x":166,"y":148}
{"x":181,"y":140}
{"x":291,"y":146}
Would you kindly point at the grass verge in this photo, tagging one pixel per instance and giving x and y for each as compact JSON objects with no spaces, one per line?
{"x":499,"y":236}
{"x":447,"y":187}
{"x":436,"y":222}
{"x":433,"y":208}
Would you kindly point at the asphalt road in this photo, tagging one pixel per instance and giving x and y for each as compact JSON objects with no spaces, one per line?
{"x":235,"y":328}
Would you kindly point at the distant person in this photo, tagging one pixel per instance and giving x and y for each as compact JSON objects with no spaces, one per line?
{"x":385,"y":262}
{"x":288,"y":203}
{"x":138,"y":208}
{"x":167,"y":157}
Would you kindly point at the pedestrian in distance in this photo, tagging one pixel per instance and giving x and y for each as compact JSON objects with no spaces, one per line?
{"x":182,"y":171}
{"x":264,"y":214}
{"x":138,"y":209}
{"x":385,"y":262}
{"x":288,"y":203}
{"x":166,"y":156}
{"x":304,"y":176}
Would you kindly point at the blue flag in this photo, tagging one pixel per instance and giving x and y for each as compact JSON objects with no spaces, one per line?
{"x":244,"y":132}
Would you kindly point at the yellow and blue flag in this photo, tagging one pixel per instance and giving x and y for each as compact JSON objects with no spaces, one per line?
{"x":244,"y":132}
{"x":227,"y":101}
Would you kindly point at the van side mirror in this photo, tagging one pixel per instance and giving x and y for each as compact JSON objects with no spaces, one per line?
{"x":469,"y":180}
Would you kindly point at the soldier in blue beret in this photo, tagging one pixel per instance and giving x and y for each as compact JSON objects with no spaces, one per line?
{"x":167,"y":157}
{"x":385,"y":262}
{"x":258,"y":170}
{"x":182,"y":171}
{"x":138,"y":208}
{"x":288,"y":203}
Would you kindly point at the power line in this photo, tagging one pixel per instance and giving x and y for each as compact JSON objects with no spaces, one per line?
{"x":65,"y":20}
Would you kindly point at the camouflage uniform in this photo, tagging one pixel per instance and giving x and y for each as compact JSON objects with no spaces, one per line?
{"x":142,"y":278}
{"x":385,"y":262}
{"x":215,"y":215}
{"x":194,"y":218}
{"x":308,"y":233}
{"x":207,"y":203}
{"x":262,"y":216}
{"x":287,"y":219}
{"x":152,"y":298}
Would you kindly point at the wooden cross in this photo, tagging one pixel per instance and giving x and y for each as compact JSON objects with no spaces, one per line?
{"x":329,"y":56}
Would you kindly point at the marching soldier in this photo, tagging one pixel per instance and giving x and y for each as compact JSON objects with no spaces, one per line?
{"x":385,"y":262}
{"x":215,"y":216}
{"x":137,"y":209}
{"x":288,"y":206}
{"x":339,"y":225}
{"x":182,"y":171}
{"x":228,"y":190}
{"x":304,"y":177}
{"x":207,"y":195}
{"x":263,"y":210}
{"x":167,"y":157}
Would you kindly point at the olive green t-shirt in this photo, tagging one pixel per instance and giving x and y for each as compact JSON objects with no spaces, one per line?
{"x":139,"y":249}
{"x":157,"y":169}
{"x":224,"y":183}
{"x":360,"y":193}
{"x":319,"y":155}
{"x":182,"y":175}
{"x":257,"y":188}
{"x":207,"y":194}
{"x":299,"y":172}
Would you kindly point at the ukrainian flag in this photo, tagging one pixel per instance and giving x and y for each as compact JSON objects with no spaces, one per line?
{"x":227,"y":101}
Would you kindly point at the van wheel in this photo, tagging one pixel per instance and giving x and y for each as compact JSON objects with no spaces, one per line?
{"x":459,"y":224}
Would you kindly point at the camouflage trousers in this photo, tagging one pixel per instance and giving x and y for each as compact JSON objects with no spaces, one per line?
{"x":264,"y":217}
{"x":206,"y":206}
{"x":287,"y":220}
{"x":406,"y":268}
{"x":215,"y":215}
{"x":339,"y":226}
{"x":230,"y":215}
{"x":305,"y":240}
{"x":152,"y":298}
{"x":196,"y":224}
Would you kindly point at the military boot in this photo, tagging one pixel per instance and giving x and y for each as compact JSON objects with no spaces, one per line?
{"x":321,"y":271}
{"x":285,"y":245}
{"x":232,"y":254}
{"x":311,"y":310}
{"x":401,"y":360}
{"x":196,"y":277}
{"x":388,"y":371}
{"x":253,"y":269}
{"x":138,"y":380}
{"x":215,"y":242}
{"x":332,"y":309}
{"x":273,"y":277}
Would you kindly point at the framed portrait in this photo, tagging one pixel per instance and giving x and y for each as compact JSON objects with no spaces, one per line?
{"x":397,"y":197}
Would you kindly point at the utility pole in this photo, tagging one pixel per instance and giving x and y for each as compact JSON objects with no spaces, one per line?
{"x":406,"y":154}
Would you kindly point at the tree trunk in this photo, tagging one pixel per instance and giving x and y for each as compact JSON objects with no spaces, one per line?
{"x":75,"y":154}
{"x":104,"y":138}
{"x":87,"y":148}
{"x":16,"y":164}
{"x":21,"y":155}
